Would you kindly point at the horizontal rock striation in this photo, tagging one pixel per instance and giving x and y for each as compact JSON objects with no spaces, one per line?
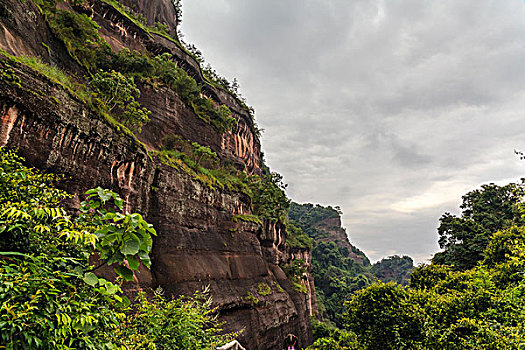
{"x":199,"y":243}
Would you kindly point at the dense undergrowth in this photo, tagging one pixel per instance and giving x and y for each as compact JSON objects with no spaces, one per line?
{"x":50,"y":296}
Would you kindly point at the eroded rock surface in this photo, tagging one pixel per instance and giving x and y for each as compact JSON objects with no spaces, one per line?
{"x":198,"y":243}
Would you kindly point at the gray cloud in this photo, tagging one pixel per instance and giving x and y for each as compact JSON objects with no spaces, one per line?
{"x":390,"y":109}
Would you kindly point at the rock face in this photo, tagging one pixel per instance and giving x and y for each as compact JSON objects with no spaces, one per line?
{"x":336,"y":233}
{"x":198,"y":243}
{"x":156,"y":11}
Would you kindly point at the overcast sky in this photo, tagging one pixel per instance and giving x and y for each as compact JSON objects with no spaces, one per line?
{"x":391,"y":109}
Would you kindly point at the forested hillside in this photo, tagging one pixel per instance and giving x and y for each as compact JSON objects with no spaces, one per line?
{"x":339,"y":268}
{"x":472,"y":295}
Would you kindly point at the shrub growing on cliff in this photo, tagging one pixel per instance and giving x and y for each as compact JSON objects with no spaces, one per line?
{"x":296,"y":238}
{"x":58,"y":76}
{"x":202,"y":164}
{"x":79,"y":33}
{"x":163,"y":69}
{"x":296,"y":272}
{"x":269,"y":200}
{"x":119,"y":95}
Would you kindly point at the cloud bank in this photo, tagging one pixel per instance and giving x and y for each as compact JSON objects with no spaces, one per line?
{"x":390,"y":109}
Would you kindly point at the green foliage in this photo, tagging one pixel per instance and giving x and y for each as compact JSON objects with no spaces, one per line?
{"x":485,"y":211}
{"x":427,"y":276}
{"x":247,"y":218}
{"x":182,"y":323}
{"x":296,"y":273}
{"x":263,"y":289}
{"x":203,"y":154}
{"x":453,"y":306}
{"x":339,"y":341}
{"x":251,"y":299}
{"x":120,"y":237}
{"x":269,"y":200}
{"x":267,"y":194}
{"x":393,"y":269}
{"x":202,"y":164}
{"x":80,"y":35}
{"x":9,"y":75}
{"x":118,"y":95}
{"x":50,"y":297}
{"x":296,"y":238}
{"x":46,"y":306}
{"x":307,"y":215}
{"x":29,"y":209}
{"x":471,"y":309}
{"x":386,"y":316}
{"x":159,"y":69}
{"x":53,"y":73}
{"x":132,"y":114}
{"x":278,"y":287}
{"x":327,"y":337}
{"x":139,"y":20}
{"x":505,"y":255}
{"x":215,"y":79}
{"x":220,"y":116}
{"x":163,"y":69}
{"x":336,"y":273}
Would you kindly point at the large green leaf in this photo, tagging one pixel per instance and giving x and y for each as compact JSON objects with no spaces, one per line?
{"x":133,"y":263}
{"x":90,"y":278}
{"x":123,"y":271}
{"x":130,"y":247}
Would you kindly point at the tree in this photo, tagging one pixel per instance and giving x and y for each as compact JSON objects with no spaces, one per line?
{"x":268,"y":197}
{"x":505,"y":254}
{"x":386,"y":317}
{"x":393,"y":268}
{"x":484,"y":211}
{"x":119,"y":95}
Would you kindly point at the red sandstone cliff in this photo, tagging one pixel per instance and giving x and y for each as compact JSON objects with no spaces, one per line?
{"x":336,"y":233}
{"x":198,"y":242}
